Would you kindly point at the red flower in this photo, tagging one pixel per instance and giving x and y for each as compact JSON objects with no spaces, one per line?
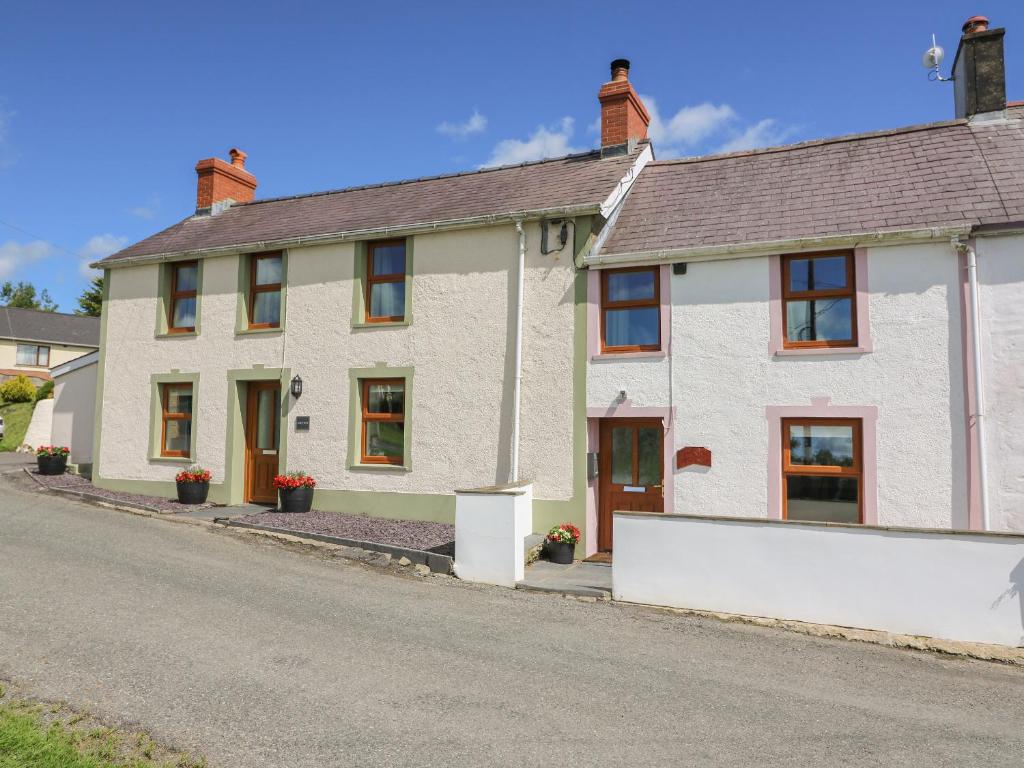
{"x":294,"y":480}
{"x":52,"y":450}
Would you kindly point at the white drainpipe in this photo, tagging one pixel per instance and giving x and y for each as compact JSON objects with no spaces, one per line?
{"x":979,"y":388}
{"x":520,"y":269}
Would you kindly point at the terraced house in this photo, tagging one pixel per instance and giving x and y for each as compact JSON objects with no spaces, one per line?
{"x":826,"y":331}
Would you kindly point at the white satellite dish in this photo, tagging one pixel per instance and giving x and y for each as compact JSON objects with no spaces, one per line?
{"x":932,"y":59}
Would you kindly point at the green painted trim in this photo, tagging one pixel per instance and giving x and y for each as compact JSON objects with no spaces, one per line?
{"x":234,"y":437}
{"x":438,"y":508}
{"x":163,"y":301}
{"x":166,"y":489}
{"x":100,"y":367}
{"x":242,"y":303}
{"x":155,"y":415}
{"x":360,"y":252}
{"x":355,"y":413}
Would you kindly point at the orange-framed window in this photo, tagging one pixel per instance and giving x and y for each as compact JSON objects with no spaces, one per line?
{"x":630,"y":309}
{"x":265,"y":275}
{"x":819,"y":300}
{"x":822,"y":470}
{"x":181,"y":314}
{"x":34,"y":355}
{"x":385,"y":281}
{"x":176,"y":420}
{"x":383,"y":432}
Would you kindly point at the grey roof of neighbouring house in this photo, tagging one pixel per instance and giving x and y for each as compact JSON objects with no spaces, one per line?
{"x":52,"y":327}
{"x":942,"y":174}
{"x":575,"y":180}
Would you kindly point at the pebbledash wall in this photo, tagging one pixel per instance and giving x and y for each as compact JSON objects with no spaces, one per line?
{"x":728,"y":385}
{"x":458,"y":346}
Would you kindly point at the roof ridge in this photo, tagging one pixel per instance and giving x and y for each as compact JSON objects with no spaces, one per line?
{"x":399,"y":182}
{"x":814,"y":142}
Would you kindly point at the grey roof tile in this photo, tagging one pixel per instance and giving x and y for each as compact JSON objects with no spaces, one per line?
{"x":54,"y":327}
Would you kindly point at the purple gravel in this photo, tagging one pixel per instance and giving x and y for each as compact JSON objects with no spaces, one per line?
{"x":411,"y":534}
{"x":78,"y":483}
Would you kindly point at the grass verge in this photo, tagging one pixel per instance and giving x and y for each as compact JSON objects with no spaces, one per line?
{"x":16,"y":417}
{"x":38,"y":735}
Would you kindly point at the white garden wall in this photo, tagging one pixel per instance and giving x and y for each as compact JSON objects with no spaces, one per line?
{"x":956,"y":586}
{"x":491,"y":526}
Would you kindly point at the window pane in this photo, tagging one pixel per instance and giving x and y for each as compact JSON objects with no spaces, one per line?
{"x":622,"y":455}
{"x":632,"y":327}
{"x":386,"y":398}
{"x":385,"y":438}
{"x":649,"y":456}
{"x":821,"y":445}
{"x":823,"y":499}
{"x":268,"y":270}
{"x":178,"y":435}
{"x":266,"y":416}
{"x":630,"y":286}
{"x":826,"y":273}
{"x":389,"y":259}
{"x":184,"y":313}
{"x":26,"y":354}
{"x":266,"y":308}
{"x":819,"y":320}
{"x":179,"y":400}
{"x":43,"y":358}
{"x":387,"y":299}
{"x":186,"y":277}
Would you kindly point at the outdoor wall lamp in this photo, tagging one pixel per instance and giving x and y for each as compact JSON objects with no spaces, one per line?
{"x":296,"y":387}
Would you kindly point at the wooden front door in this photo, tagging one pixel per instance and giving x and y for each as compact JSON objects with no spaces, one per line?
{"x":631,"y":473}
{"x":262,"y":441}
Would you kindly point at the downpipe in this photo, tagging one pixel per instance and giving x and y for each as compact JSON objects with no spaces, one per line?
{"x":518,"y":380}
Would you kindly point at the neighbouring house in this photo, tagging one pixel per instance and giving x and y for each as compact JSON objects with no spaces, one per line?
{"x":791,"y":332}
{"x":780,"y":333}
{"x":74,"y":407}
{"x":32,"y":341}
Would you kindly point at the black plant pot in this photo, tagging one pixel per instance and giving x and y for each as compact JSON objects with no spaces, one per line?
{"x":192,"y":493}
{"x":560,"y":552}
{"x":52,"y":465}
{"x":295,"y":499}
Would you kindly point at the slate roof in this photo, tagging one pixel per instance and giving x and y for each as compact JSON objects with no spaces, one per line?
{"x":940,"y":174}
{"x":53,"y":327}
{"x":574,"y":180}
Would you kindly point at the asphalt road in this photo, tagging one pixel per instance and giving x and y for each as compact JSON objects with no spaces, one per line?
{"x":257,"y":655}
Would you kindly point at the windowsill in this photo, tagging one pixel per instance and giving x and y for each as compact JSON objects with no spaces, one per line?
{"x":816,"y":351}
{"x":652,"y":355}
{"x":176,"y":334}
{"x":381,"y":467}
{"x":171,"y":459}
{"x":384,"y":324}
{"x":257,"y":331}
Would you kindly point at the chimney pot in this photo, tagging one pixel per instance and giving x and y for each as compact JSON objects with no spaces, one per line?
{"x":220,"y":183}
{"x":620,"y":70}
{"x":975,"y":24}
{"x":237,"y":157}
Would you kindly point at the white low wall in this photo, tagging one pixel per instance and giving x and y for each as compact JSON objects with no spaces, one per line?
{"x":956,"y":586}
{"x":491,"y":525}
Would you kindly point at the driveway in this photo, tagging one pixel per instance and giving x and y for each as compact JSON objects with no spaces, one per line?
{"x":258,"y":655}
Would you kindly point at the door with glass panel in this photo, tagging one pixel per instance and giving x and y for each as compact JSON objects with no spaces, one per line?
{"x":631,"y":472}
{"x":821,"y":470}
{"x":262,"y":440}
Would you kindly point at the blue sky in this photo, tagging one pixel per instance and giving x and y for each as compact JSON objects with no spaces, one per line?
{"x":105,"y":107}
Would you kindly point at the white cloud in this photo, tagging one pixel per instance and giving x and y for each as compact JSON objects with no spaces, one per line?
{"x":545,"y":142}
{"x":764,"y":133}
{"x":689,"y":126}
{"x":476,"y":123}
{"x":14,"y":254}
{"x":97,"y":248}
{"x":148,"y":209}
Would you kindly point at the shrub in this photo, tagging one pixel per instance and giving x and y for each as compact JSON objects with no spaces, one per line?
{"x":17,"y":390}
{"x":44,"y":391}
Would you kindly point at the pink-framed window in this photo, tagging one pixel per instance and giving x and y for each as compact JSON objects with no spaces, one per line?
{"x":629,"y":312}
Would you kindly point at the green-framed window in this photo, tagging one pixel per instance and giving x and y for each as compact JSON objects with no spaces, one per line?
{"x":382,"y":293}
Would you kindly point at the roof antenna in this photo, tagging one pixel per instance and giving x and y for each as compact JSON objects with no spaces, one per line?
{"x":932,"y":59}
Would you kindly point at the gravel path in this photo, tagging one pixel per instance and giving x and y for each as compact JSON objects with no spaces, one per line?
{"x":412,"y":534}
{"x":78,"y":483}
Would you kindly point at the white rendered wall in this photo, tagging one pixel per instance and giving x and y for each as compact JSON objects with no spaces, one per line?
{"x":953,"y":586}
{"x":74,"y":406}
{"x":459,"y":343}
{"x":490,"y":531}
{"x":1001,"y":276}
{"x":724,"y":376}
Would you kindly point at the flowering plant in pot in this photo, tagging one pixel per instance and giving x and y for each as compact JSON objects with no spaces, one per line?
{"x":561,"y":543}
{"x":193,"y":485}
{"x":294,"y":492}
{"x":52,"y":459}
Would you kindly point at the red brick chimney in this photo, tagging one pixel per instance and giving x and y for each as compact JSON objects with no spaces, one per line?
{"x":221,"y":182}
{"x":623,"y":115}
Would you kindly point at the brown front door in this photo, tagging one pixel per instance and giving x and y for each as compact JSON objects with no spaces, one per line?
{"x":262,"y":441}
{"x":631,"y":471}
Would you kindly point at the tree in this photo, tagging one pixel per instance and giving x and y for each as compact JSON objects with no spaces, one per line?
{"x":23,"y":295}
{"x":91,"y":301}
